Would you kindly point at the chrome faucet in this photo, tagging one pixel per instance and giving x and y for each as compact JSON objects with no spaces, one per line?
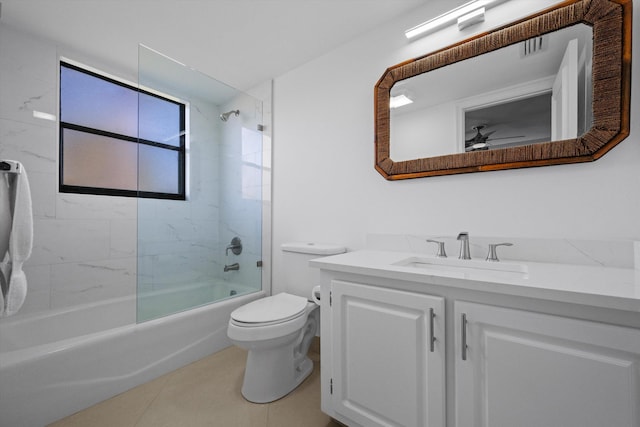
{"x":234,"y":266}
{"x":464,"y":245}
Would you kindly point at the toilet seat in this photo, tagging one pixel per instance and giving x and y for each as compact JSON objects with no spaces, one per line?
{"x":271,"y":310}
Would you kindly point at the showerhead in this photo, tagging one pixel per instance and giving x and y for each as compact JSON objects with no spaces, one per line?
{"x":225,"y":116}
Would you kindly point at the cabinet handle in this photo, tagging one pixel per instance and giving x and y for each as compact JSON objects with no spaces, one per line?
{"x":464,"y":336}
{"x":432,"y":338}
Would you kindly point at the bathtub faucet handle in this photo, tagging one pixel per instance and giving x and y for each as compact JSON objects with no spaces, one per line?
{"x":235,"y":246}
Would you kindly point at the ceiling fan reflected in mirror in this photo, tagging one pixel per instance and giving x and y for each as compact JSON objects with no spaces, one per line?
{"x":480,"y":141}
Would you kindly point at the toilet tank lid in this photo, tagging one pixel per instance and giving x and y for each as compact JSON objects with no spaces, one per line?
{"x":313,"y":248}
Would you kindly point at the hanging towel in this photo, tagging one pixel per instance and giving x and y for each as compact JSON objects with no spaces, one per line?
{"x":5,"y":232}
{"x":20,"y":242}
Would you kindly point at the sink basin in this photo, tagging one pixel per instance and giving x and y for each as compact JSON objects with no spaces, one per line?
{"x":462,"y":265}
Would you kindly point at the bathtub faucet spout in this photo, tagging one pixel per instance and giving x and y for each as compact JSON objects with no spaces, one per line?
{"x":234,"y":266}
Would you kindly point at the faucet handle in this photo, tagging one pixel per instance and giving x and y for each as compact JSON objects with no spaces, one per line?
{"x":492,"y":255}
{"x":441,"y":252}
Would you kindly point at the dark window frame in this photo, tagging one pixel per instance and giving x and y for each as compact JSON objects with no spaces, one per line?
{"x":181,"y":149}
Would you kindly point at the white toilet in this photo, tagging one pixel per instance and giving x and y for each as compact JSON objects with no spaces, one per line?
{"x":278,"y":330}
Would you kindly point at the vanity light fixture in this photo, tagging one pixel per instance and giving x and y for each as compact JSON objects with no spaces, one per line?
{"x":399,"y":101}
{"x":469,"y":14}
{"x":471,"y":18}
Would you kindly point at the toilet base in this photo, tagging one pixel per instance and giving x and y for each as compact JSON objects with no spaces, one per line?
{"x":254,"y":393}
{"x":277,"y":365}
{"x":272,"y":373}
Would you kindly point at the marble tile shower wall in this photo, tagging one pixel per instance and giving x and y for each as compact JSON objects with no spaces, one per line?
{"x":85,"y":247}
{"x":73,"y":239}
{"x":242,"y":166}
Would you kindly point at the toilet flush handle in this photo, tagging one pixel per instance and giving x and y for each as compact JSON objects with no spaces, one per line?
{"x":315,"y":294}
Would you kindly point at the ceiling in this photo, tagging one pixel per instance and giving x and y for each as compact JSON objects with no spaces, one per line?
{"x":240,"y":42}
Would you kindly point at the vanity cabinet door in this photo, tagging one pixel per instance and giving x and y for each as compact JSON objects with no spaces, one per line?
{"x":387,"y":370}
{"x":529,"y":370}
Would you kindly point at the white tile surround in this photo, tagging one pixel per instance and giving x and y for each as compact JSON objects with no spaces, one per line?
{"x":616,"y":254}
{"x":85,"y":247}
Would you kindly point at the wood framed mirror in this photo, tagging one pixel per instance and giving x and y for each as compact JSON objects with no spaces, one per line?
{"x":606,"y":104}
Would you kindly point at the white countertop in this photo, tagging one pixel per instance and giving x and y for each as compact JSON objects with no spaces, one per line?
{"x":617,"y":288}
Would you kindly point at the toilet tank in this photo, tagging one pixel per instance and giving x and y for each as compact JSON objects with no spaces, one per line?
{"x":298,"y":276}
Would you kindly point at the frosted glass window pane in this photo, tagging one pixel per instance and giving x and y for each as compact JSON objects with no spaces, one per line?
{"x":99,"y":161}
{"x":100,"y":120}
{"x":159,"y":120}
{"x":93,"y":102}
{"x":158,"y":170}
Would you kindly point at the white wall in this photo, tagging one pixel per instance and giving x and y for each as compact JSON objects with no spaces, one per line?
{"x":326,"y":188}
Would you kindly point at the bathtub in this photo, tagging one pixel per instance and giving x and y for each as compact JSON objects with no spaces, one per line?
{"x":56,"y":364}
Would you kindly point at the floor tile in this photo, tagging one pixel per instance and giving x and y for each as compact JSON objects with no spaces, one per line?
{"x":206,"y":393}
{"x":122,"y":410}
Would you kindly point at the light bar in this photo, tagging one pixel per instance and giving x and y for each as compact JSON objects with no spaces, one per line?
{"x":447,"y":18}
{"x":471,"y":18}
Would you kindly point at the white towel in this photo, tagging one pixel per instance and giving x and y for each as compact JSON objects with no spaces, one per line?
{"x":5,"y":232}
{"x":20,"y":242}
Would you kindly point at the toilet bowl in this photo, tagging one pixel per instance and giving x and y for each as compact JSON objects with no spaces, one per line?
{"x":278,"y":330}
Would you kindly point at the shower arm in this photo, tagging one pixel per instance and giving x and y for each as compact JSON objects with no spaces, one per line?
{"x":225,"y":116}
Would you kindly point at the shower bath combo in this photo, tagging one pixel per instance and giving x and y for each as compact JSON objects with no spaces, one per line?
{"x":178,"y":300}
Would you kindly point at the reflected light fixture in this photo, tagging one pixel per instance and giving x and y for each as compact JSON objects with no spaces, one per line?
{"x":399,"y":101}
{"x":43,"y":115}
{"x":468,"y":13}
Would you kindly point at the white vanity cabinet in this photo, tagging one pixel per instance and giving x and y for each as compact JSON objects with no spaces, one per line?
{"x":519,"y":368}
{"x":387,"y":358}
{"x":548,"y":346}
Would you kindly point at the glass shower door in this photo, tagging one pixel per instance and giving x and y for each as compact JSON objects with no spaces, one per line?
{"x":207,"y":245}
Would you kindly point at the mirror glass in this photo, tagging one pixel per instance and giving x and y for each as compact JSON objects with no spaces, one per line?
{"x":537,"y":90}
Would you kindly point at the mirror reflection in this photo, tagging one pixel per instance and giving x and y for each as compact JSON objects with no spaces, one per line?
{"x":538,"y":90}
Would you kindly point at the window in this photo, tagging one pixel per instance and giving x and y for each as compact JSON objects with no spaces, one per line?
{"x":116,"y":139}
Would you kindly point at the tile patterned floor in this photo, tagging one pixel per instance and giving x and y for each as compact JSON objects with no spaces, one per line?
{"x":206,"y":393}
